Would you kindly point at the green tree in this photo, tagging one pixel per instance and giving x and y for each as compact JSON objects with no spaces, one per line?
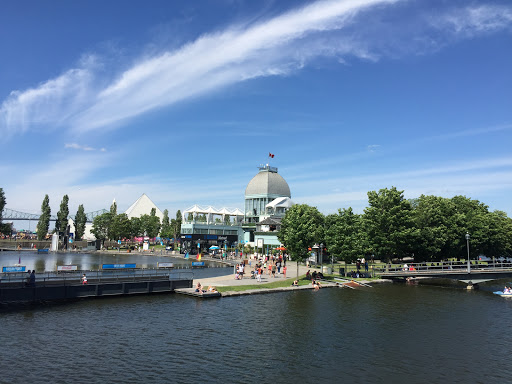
{"x":113,"y":208}
{"x":120,"y":227}
{"x":4,"y":228}
{"x":389,"y":223}
{"x":151,"y":224}
{"x":44,"y":220}
{"x":101,"y":226}
{"x":62,"y":215}
{"x":166,"y":226}
{"x":176,"y":225}
{"x":499,"y":242}
{"x":136,"y":227}
{"x":301,"y":228}
{"x":344,"y":235}
{"x":80,"y":220}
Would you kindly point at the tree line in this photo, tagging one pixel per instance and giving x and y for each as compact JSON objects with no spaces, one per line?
{"x":429,"y":228}
{"x":107,"y":226}
{"x":114,"y":226}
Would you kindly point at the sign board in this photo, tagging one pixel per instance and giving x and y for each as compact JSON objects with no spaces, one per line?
{"x":67,"y":268}
{"x":14,"y":269}
{"x":198,"y":264}
{"x":165,"y":265}
{"x":260,"y":243}
{"x":118,"y":266}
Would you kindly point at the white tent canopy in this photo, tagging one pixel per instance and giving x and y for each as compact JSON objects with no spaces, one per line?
{"x":212,"y":211}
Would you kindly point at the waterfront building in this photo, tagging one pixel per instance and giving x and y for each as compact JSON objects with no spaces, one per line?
{"x":204,"y":227}
{"x":267,"y":198}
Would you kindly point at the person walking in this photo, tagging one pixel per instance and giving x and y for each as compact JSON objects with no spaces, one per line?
{"x":84,"y":279}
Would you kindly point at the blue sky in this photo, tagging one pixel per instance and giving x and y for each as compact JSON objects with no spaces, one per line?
{"x":183,"y":100}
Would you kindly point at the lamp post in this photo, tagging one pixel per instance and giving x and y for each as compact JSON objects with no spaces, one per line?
{"x":467,"y":245}
{"x":321,"y":258}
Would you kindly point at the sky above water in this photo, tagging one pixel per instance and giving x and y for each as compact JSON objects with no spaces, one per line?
{"x":183,"y":100}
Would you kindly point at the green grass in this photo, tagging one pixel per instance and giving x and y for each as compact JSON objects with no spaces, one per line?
{"x":275,"y":284}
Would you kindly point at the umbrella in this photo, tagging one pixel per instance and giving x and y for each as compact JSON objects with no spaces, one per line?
{"x":281,"y":248}
{"x":214,"y":247}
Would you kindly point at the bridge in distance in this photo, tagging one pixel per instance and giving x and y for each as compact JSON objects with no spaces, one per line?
{"x":474,"y":273}
{"x":10,"y":214}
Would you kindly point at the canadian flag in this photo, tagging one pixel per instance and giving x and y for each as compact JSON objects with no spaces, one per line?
{"x":271,"y":155}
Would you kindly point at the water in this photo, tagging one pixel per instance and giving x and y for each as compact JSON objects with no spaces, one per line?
{"x":89,"y":261}
{"x":386,"y":334}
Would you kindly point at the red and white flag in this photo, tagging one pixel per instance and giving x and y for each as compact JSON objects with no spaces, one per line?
{"x":271,"y":155}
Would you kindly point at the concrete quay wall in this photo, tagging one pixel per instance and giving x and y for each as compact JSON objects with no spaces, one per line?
{"x":67,"y":292}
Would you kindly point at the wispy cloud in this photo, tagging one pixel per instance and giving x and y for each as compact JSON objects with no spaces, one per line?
{"x":474,"y":19}
{"x":83,"y":99}
{"x":82,"y":147}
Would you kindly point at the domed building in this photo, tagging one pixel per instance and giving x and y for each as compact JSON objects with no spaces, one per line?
{"x":267,"y":198}
{"x":263,"y":189}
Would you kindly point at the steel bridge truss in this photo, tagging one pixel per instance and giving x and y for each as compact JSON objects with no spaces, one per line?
{"x":10,"y":214}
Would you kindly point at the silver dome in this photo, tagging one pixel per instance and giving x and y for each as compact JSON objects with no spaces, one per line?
{"x":268,"y":183}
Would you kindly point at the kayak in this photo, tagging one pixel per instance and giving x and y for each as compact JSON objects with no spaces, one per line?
{"x":500,"y":293}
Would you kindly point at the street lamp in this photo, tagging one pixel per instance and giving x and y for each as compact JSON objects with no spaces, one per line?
{"x":321,"y":258}
{"x":467,"y":245}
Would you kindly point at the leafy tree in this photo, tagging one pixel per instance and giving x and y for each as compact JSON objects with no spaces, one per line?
{"x":113,"y":208}
{"x":101,"y":226}
{"x":120,"y":227}
{"x":344,"y":235}
{"x":4,"y":228}
{"x":499,"y":242}
{"x":301,"y":228}
{"x":80,"y":220}
{"x":190,"y":216}
{"x":151,"y":224}
{"x":136,"y":228}
{"x":62,"y":215}
{"x":166,"y":226}
{"x":389,"y":223}
{"x":176,"y":225}
{"x":434,"y":219}
{"x":44,"y":220}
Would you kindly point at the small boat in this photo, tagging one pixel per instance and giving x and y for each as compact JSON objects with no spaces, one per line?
{"x":503,"y":294}
{"x":43,"y":250}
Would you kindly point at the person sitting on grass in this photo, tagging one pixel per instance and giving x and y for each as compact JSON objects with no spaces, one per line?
{"x":295,"y":283}
{"x":316,"y":285}
{"x":212,"y":289}
{"x":308,"y":275}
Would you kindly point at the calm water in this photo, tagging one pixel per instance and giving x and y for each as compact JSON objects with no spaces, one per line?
{"x":386,"y":334}
{"x":87,"y":261}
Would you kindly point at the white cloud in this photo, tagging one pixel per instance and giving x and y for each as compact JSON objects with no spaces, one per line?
{"x":475,"y":19}
{"x":80,"y":100}
{"x":82,"y":147}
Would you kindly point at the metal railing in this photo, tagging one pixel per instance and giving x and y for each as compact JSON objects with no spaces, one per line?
{"x":74,"y":278}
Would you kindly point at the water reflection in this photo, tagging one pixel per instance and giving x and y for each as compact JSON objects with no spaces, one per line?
{"x":87,"y":261}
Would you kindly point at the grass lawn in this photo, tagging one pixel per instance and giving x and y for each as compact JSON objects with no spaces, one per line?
{"x":275,"y":284}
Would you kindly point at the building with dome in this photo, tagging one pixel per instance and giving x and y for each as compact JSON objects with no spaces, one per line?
{"x":263,"y":189}
{"x":267,"y":198}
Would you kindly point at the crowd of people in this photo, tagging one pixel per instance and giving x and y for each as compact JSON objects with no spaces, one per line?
{"x":273,"y":266}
